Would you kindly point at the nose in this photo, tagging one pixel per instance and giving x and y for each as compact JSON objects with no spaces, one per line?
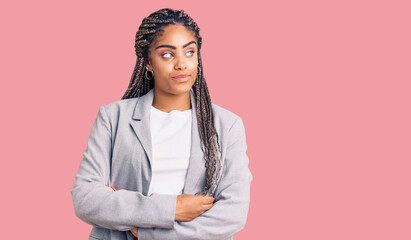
{"x":180,"y":63}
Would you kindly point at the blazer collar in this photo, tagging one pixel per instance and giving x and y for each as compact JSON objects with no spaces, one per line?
{"x":141,"y":126}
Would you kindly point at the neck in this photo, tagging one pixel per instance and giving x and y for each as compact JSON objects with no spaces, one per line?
{"x":168,"y":102}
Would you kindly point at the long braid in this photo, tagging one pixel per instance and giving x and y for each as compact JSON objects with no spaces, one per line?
{"x":207,"y":131}
{"x":139,"y":85}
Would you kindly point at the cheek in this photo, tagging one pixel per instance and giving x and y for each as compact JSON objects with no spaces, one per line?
{"x":193,"y":65}
{"x":163,"y":69}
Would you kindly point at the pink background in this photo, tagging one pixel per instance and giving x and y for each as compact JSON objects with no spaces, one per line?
{"x":323,"y":88}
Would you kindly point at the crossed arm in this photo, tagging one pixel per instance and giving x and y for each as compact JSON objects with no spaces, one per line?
{"x":155,"y":215}
{"x":229,"y":212}
{"x":188,"y":207}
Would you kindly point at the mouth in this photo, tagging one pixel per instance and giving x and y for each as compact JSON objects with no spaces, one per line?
{"x":181,"y":78}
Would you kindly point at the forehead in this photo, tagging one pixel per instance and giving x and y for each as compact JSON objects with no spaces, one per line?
{"x":176,"y":35}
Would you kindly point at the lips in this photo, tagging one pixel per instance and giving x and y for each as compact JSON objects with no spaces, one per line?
{"x":181,"y":78}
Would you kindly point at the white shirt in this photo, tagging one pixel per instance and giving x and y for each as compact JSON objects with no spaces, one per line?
{"x":171,"y":145}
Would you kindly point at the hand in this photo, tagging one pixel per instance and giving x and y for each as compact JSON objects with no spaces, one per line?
{"x":134,"y":231}
{"x":190,"y":206}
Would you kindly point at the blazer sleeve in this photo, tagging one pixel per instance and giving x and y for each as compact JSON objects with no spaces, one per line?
{"x":101,"y":206}
{"x":229,"y":212}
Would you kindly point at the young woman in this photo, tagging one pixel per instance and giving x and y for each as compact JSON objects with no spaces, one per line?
{"x":164,"y":162}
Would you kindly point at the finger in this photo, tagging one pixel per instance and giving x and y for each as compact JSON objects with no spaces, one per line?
{"x":207,"y":206}
{"x":208,"y":203}
{"x":134,"y":231}
{"x":208,"y":200}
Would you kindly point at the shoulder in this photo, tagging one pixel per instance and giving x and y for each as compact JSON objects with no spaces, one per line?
{"x":117,"y":113}
{"x":120,"y":106}
{"x":220,"y":112}
{"x":226,"y":119}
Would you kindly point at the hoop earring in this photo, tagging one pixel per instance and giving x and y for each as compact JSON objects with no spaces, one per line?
{"x":152,"y":74}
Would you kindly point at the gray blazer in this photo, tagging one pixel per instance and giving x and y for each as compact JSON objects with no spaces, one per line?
{"x":118,"y":154}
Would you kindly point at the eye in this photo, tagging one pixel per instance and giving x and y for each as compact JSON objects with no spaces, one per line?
{"x":167,"y":55}
{"x":190,"y":53}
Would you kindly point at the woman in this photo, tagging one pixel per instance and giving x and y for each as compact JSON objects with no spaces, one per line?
{"x":164,"y":162}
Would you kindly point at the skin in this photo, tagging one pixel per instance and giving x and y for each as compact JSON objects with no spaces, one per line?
{"x":178,"y":57}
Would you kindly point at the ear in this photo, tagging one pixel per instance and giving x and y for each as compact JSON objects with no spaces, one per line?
{"x":148,"y":64}
{"x":150,"y":67}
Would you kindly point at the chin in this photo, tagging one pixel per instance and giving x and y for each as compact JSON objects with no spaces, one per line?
{"x":181,"y":89}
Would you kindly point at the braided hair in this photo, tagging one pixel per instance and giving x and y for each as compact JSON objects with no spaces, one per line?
{"x":139,"y":85}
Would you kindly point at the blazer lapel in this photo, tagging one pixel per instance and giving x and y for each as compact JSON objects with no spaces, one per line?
{"x":141,"y":122}
{"x":141,"y":126}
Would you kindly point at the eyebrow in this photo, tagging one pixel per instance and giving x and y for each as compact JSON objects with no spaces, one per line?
{"x":173,"y":47}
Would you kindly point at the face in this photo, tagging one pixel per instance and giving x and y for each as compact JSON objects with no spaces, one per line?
{"x":173,"y":59}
